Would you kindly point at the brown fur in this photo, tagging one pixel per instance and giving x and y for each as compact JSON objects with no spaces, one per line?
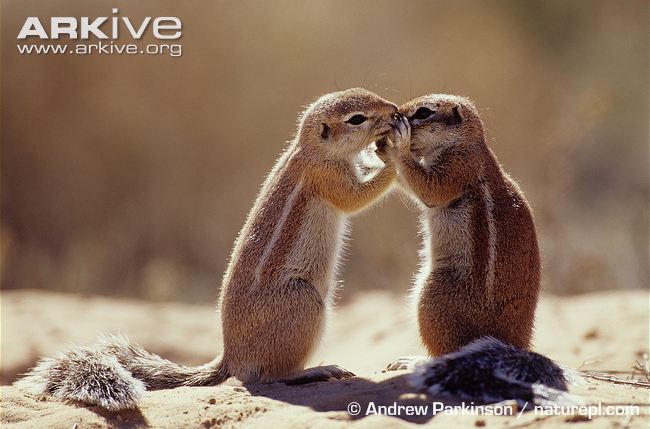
{"x":271,"y":324}
{"x":279,"y":283}
{"x":465,"y":290}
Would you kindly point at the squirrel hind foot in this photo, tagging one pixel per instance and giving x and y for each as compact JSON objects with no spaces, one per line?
{"x":84,"y":375}
{"x":407,"y":363}
{"x":317,"y":374}
{"x":489,"y":371}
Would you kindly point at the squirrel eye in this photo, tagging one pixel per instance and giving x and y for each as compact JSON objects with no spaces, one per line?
{"x":422,"y":113}
{"x":357,"y":120}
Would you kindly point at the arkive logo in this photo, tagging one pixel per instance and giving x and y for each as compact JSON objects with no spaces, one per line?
{"x":164,"y":27}
{"x":103,"y":28}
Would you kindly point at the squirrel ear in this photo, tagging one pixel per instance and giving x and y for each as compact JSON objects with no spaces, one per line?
{"x":457,"y":118}
{"x":325,"y":131}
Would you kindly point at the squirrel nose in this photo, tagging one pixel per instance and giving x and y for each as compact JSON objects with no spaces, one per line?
{"x":396,"y":117}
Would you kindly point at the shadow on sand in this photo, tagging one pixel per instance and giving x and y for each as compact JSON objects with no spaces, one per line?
{"x":366,"y":395}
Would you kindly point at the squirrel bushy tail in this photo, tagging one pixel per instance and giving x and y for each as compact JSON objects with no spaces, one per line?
{"x":114,"y":374}
{"x":489,"y":371}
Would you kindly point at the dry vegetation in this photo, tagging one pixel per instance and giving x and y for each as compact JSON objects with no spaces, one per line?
{"x":132,"y":175}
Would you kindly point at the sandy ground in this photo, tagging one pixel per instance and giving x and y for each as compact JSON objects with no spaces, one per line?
{"x":604,"y":331}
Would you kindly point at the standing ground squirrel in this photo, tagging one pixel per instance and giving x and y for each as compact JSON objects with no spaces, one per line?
{"x":479,"y":278}
{"x":279,"y":283}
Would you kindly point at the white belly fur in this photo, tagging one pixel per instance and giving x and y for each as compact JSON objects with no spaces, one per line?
{"x":445,"y":236}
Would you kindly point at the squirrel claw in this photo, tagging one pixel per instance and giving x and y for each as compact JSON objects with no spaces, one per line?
{"x":405,"y":363}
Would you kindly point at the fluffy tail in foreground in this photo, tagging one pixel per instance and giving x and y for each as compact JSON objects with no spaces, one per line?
{"x":488,"y":371}
{"x":114,"y":374}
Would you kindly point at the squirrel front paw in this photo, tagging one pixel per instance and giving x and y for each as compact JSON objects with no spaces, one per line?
{"x":400,"y":134}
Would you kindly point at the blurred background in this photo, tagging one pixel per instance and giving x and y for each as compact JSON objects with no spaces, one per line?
{"x":131,"y":175}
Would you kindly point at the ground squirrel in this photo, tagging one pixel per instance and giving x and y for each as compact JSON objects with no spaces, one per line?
{"x":479,"y":279}
{"x":278,"y":285}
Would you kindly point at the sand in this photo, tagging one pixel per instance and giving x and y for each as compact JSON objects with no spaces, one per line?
{"x":603,"y":331}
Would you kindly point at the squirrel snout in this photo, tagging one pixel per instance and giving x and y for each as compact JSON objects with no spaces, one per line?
{"x":395,"y":119}
{"x":387,"y":124}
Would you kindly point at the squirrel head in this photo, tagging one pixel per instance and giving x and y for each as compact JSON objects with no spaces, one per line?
{"x":341,"y":124}
{"x":439,"y":121}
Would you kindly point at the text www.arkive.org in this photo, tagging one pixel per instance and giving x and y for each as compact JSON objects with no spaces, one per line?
{"x":102,"y":48}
